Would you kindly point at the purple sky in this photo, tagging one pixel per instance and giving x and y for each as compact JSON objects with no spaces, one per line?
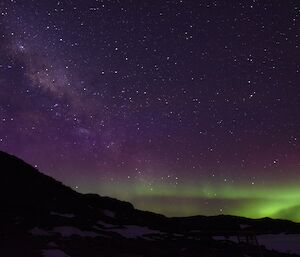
{"x":134,"y":99}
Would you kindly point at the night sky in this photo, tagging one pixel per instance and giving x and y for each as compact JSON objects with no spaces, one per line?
{"x":180,"y":107}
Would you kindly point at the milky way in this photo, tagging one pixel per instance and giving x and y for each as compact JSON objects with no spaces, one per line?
{"x":180,"y":107}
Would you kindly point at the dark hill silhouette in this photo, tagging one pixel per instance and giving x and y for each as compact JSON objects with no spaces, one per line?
{"x":24,"y":186}
{"x":40,"y":216}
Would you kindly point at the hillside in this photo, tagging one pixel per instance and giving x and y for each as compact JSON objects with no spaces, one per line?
{"x":40,"y":216}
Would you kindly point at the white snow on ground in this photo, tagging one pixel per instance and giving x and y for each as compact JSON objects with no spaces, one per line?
{"x":109,"y":213}
{"x":39,"y":232}
{"x":64,"y":231}
{"x":287,"y":243}
{"x":52,"y":244}
{"x":65,"y":215}
{"x":243,"y":226}
{"x":281,"y":242}
{"x":72,"y":231}
{"x":134,"y":231}
{"x":54,"y":253}
{"x":104,"y":225}
{"x":231,"y":238}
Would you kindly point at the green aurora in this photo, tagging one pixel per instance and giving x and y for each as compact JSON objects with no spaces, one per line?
{"x":253,"y":201}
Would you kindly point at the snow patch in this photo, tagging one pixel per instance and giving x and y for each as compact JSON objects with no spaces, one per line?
{"x":134,"y":231}
{"x":65,"y":215}
{"x":52,"y":244}
{"x":288,"y":243}
{"x":104,"y":225}
{"x":39,"y":232}
{"x":109,"y":213}
{"x":54,"y":253}
{"x":230,"y":238}
{"x":72,"y":231}
{"x":243,"y":226}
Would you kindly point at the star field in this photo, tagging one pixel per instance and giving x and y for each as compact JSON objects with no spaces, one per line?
{"x":180,"y":107}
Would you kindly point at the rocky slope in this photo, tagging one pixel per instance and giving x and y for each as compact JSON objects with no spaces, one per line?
{"x":40,"y":216}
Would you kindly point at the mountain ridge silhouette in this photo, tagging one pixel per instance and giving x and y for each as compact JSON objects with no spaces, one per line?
{"x":39,"y":213}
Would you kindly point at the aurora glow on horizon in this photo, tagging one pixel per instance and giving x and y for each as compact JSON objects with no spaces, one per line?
{"x":276,"y":201}
{"x":179,"y":107}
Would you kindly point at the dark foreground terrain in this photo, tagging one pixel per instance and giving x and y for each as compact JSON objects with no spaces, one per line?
{"x":39,"y":216}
